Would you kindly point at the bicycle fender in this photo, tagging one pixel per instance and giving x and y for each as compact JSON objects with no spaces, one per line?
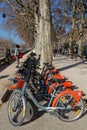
{"x":76,"y":94}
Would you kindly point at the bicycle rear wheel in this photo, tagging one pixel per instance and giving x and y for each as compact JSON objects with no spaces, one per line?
{"x":72,"y":114}
{"x":16,"y":109}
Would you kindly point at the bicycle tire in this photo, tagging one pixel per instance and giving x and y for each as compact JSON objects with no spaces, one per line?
{"x":16,"y":117}
{"x":31,"y":111}
{"x":65,"y":115}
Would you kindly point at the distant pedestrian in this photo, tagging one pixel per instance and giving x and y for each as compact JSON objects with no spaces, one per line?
{"x":54,"y":52}
{"x":84,"y":53}
{"x":8,"y":55}
{"x":71,"y":52}
{"x":76,"y":52}
{"x":17,"y":54}
{"x":60,"y":50}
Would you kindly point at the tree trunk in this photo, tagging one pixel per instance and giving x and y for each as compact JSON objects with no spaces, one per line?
{"x":81,"y":31}
{"x":73,"y":25}
{"x":43,"y":45}
{"x":80,"y":48}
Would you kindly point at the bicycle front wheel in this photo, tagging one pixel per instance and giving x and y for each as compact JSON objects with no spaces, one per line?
{"x":31,"y":111}
{"x":16,"y":109}
{"x":72,"y":114}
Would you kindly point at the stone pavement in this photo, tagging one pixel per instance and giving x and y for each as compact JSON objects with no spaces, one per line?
{"x":74,"y":70}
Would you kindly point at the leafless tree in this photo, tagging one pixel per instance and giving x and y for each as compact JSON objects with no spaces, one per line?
{"x":32,"y":20}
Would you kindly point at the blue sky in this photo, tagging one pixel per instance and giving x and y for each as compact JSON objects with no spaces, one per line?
{"x":9,"y":34}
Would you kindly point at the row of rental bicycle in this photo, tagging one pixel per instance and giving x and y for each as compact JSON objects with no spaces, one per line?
{"x":33,"y":84}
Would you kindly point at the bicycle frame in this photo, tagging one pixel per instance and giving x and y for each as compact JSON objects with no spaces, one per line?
{"x":24,"y":103}
{"x":27,"y":91}
{"x":53,"y":100}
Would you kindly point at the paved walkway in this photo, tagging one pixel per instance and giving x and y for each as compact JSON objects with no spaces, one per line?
{"x":7,"y":72}
{"x":76,"y":71}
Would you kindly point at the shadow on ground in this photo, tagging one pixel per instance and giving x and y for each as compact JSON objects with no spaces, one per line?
{"x":71,"y":66}
{"x":4,"y":76}
{"x":41,"y":113}
{"x":60,"y":59}
{"x":85,"y":103}
{"x":38,"y":114}
{"x":5,"y":65}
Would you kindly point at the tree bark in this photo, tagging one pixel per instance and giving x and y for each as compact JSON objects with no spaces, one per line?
{"x":81,"y":31}
{"x":73,"y":23}
{"x":43,"y":45}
